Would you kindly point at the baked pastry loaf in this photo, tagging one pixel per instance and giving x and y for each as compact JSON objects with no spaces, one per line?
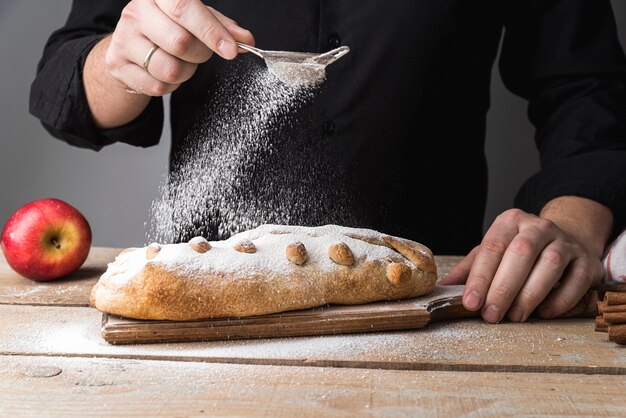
{"x":272,"y":268}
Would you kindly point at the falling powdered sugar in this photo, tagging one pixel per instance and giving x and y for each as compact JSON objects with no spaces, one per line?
{"x":251,"y":158}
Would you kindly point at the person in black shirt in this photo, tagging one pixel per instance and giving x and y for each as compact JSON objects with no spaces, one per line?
{"x":403,"y":111}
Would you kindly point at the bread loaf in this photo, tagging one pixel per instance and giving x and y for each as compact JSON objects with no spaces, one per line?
{"x":291,"y":267}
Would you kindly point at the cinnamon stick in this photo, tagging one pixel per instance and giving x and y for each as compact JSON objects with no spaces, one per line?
{"x":617,"y":333}
{"x":613,"y":308}
{"x":601,"y":325}
{"x":615,"y":298}
{"x":614,"y":317}
{"x":601,"y":306}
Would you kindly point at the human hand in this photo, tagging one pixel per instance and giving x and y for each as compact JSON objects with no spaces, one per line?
{"x":522,"y":263}
{"x":185,"y":34}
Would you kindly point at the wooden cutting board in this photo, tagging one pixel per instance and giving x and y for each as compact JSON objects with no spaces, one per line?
{"x":444,"y":303}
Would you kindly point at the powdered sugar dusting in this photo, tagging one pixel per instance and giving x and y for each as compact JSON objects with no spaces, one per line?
{"x":125,"y":265}
{"x":270,"y":241}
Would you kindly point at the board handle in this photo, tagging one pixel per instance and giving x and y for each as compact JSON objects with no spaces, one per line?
{"x":449,"y":308}
{"x":452,"y":308}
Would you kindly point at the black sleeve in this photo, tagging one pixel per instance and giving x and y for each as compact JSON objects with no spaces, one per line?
{"x":57,"y":95}
{"x":564,"y":56}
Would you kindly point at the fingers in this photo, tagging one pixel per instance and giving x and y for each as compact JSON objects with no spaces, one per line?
{"x":488,"y":258}
{"x":199,"y":20}
{"x":185,"y":32}
{"x":580,"y":275}
{"x":239,"y":33}
{"x":458,"y":274}
{"x":515,"y":266}
{"x":171,"y":37}
{"x":545,"y":274}
{"x":525,"y":262}
{"x":180,"y":42}
{"x":137,"y":79}
{"x":164,"y":73}
{"x":162,"y":65}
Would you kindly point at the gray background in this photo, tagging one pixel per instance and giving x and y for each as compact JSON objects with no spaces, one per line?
{"x":115,"y":187}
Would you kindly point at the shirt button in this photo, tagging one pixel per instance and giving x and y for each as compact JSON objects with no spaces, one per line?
{"x":329,"y":127}
{"x":334,"y":41}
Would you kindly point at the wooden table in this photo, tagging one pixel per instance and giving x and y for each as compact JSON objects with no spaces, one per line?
{"x":53,"y":362}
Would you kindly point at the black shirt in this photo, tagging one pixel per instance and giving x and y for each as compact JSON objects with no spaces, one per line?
{"x":403,"y":115}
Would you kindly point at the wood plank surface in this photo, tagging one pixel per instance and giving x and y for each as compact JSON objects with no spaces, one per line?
{"x":79,"y":387}
{"x":54,"y":362}
{"x":71,"y":291}
{"x":564,"y":346}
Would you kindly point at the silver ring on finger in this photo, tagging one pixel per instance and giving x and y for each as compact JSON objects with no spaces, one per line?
{"x":146,"y":61}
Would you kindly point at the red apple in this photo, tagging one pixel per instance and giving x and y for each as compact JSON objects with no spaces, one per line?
{"x":46,"y":239}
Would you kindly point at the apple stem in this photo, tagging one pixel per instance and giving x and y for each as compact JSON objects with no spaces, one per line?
{"x":56,"y":243}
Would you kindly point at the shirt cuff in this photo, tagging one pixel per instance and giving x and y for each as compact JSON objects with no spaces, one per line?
{"x":598,"y":176}
{"x":59,"y":101}
{"x":614,"y":261}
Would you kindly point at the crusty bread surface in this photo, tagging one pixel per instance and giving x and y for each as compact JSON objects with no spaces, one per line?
{"x":269,"y":269}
